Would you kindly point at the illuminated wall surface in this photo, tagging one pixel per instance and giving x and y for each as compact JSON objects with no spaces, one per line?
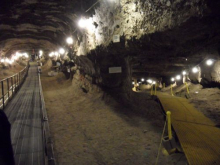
{"x":161,"y":38}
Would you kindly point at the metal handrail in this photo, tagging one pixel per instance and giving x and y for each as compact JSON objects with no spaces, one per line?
{"x":48,"y":144}
{"x":14,"y":74}
{"x":13,"y":84}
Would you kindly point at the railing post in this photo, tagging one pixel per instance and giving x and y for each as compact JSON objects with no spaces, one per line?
{"x":17,"y":80}
{"x":8,"y":87}
{"x":151,"y":91}
{"x":171,"y":89}
{"x":169,"y":125}
{"x":164,"y":85}
{"x":3,"y":95}
{"x":19,"y":75}
{"x":12,"y":86}
{"x":187,"y":88}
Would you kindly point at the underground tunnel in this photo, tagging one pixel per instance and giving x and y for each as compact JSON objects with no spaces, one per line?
{"x":123,"y":82}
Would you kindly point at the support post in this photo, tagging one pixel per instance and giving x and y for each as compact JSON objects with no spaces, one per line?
{"x":8,"y":87}
{"x":164,"y":85}
{"x":152,"y":89}
{"x":169,"y":125}
{"x":171,"y":89}
{"x":19,"y":78}
{"x":12,"y":86}
{"x":187,"y":88}
{"x":3,"y":95}
{"x":17,"y":81}
{"x":155,"y":91}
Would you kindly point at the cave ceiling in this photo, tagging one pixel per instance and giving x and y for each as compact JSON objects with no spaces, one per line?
{"x":36,"y":24}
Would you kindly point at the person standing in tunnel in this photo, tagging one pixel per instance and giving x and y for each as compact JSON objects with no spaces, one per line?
{"x":6,"y":151}
{"x":33,"y":57}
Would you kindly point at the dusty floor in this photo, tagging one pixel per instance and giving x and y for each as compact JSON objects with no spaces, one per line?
{"x":7,"y":72}
{"x":207,"y":101}
{"x":87,"y":130}
{"x":4,"y":73}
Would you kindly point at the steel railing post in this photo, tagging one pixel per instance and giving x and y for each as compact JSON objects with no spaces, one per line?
{"x":12,"y":85}
{"x":17,"y":80}
{"x":8,"y":86}
{"x":3,"y":95}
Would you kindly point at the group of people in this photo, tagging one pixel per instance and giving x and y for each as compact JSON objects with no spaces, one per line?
{"x":35,"y":56}
{"x":64,"y":66}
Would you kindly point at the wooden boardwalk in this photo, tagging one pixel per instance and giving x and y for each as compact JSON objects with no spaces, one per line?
{"x":199,"y":137}
{"x":25,"y":115}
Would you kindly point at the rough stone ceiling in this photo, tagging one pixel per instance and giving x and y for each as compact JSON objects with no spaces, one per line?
{"x":168,"y":50}
{"x":38,"y":24}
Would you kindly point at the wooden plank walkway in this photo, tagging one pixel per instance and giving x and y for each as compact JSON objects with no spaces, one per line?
{"x":25,"y":116}
{"x":199,"y":137}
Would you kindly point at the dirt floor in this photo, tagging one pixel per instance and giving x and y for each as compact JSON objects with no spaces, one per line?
{"x":89,"y":129}
{"x":7,"y":72}
{"x":207,"y":101}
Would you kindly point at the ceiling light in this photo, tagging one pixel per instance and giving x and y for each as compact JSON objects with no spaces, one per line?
{"x":56,"y":53}
{"x":82,"y":23}
{"x":2,"y":60}
{"x":61,"y":51}
{"x":178,"y":77}
{"x":149,"y":81}
{"x":10,"y":61}
{"x":69,"y":40}
{"x":142,"y":79}
{"x":195,"y":70}
{"x":154,"y":82}
{"x":7,"y":60}
{"x":133,"y":83}
{"x":184,"y":72}
{"x":25,"y":55}
{"x":172,"y":79}
{"x":18,"y":54}
{"x":15,"y":57}
{"x":209,"y":62}
{"x":51,"y":54}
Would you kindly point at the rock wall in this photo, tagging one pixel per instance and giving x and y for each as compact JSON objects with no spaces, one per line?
{"x":135,"y":18}
{"x":132,"y":20}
